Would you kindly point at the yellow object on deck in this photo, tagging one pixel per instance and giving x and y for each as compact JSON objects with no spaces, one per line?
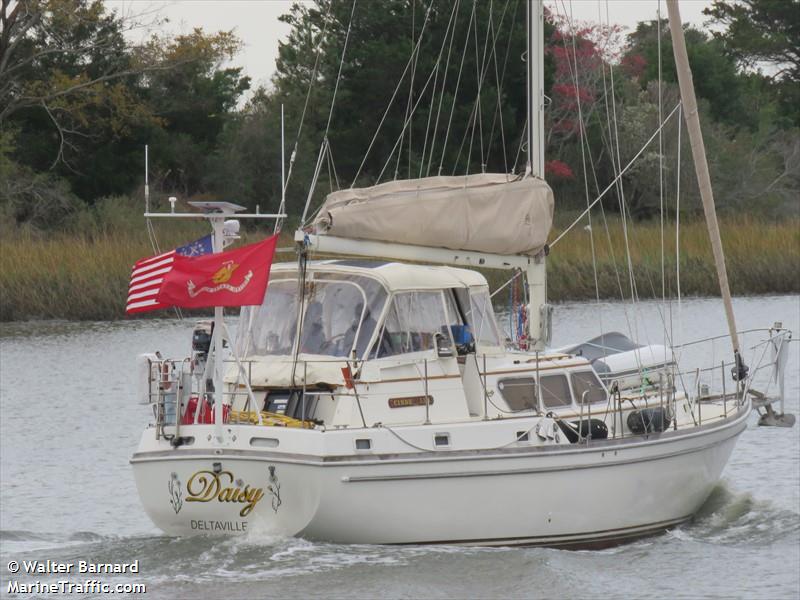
{"x":270,"y":419}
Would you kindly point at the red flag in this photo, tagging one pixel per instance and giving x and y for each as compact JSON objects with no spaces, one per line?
{"x":234,"y":278}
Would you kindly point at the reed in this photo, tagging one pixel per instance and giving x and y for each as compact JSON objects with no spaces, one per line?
{"x":761,"y":258}
{"x":85,"y":276}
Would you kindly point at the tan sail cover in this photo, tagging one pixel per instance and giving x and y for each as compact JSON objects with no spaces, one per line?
{"x":488,"y":212}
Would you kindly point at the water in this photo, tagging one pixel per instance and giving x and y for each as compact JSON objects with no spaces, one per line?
{"x":69,"y":423}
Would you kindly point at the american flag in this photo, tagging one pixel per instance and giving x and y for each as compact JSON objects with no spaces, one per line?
{"x":148,"y":274}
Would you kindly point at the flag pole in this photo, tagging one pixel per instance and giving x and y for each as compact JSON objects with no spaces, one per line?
{"x":217,"y":223}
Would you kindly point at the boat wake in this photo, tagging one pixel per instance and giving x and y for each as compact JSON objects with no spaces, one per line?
{"x":728,"y":518}
{"x":731,"y":518}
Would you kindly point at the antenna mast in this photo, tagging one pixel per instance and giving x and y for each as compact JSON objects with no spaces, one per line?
{"x":146,"y":180}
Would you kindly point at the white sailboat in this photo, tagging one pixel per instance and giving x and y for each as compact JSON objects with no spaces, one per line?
{"x":375,"y":401}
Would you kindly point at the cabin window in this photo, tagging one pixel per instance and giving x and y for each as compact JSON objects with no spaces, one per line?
{"x":363,"y":444}
{"x":333,"y":312}
{"x":272,"y":326}
{"x":587,"y":381}
{"x":441,"y":439}
{"x":413,"y":320}
{"x":555,"y":391}
{"x":518,"y":392}
{"x":479,"y":314}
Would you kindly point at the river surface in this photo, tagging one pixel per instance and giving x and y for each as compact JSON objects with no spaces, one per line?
{"x":69,"y":423}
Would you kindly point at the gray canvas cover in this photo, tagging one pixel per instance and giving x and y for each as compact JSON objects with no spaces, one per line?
{"x":487,"y":212}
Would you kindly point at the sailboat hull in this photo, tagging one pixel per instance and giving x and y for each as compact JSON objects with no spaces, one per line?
{"x":561,"y":495}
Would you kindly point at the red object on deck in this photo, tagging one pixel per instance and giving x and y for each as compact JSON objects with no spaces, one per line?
{"x":348,"y":377}
{"x":206,"y":415}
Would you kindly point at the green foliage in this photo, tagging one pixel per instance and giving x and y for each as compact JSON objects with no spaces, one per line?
{"x":765,"y":35}
{"x":84,"y":100}
{"x":713,"y":71}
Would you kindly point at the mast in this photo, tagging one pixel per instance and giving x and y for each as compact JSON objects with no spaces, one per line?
{"x":535,"y":77}
{"x":536,"y":271}
{"x":703,"y":178}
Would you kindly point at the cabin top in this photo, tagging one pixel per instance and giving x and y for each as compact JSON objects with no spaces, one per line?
{"x":393,"y":275}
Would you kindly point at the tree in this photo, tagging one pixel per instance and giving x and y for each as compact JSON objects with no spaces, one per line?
{"x":715,"y":76}
{"x":764,"y":33}
{"x":426,"y":88}
{"x":81,"y":100}
{"x":193,"y":102}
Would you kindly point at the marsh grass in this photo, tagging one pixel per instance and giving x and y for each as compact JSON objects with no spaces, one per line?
{"x":84,"y":274}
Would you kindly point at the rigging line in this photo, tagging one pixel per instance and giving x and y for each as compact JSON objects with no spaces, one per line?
{"x":479,"y":114}
{"x":678,"y":227}
{"x":614,"y":182}
{"x":450,"y":23}
{"x":476,"y":105}
{"x":311,"y":81}
{"x":314,"y":179}
{"x":661,"y":167}
{"x":522,"y":139}
{"x":611,"y":149}
{"x":475,"y":115}
{"x":333,"y":165}
{"x":506,"y":284}
{"x":341,"y":65}
{"x":410,"y":96}
{"x":325,"y":142}
{"x":499,"y":79}
{"x":410,"y":93}
{"x":416,"y":104}
{"x":458,"y":82}
{"x":454,"y":19}
{"x":330,"y":175}
{"x":602,"y":208}
{"x":624,"y":210}
{"x":428,"y":123}
{"x":597,"y":182}
{"x":584,"y":143}
{"x":394,"y":95}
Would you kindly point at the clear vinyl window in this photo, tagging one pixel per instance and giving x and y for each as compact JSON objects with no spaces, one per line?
{"x":339,"y":316}
{"x":413,"y":320}
{"x":477,"y":306}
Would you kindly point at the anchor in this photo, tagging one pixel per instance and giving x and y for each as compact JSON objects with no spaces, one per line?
{"x":770,"y":417}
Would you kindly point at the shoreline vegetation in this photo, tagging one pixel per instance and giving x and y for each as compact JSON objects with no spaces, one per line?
{"x":84,"y":276}
{"x":83,"y":102}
